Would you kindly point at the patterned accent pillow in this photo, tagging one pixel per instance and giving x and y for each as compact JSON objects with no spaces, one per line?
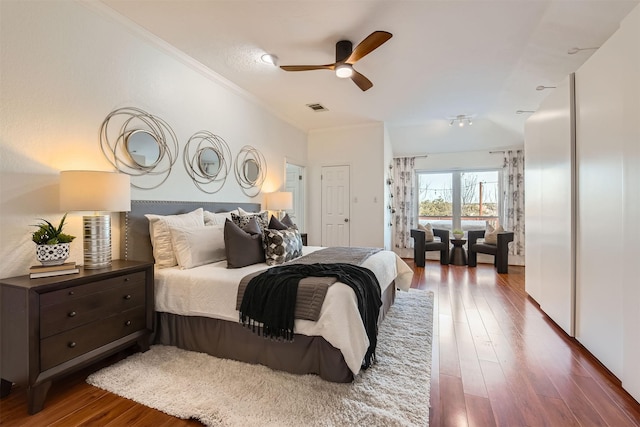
{"x":242,"y":220}
{"x":282,"y":245}
{"x":491,"y":234}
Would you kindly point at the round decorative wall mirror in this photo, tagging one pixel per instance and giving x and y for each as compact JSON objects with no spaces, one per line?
{"x":140,"y":145}
{"x":251,"y":170}
{"x":143,"y":148}
{"x":209,"y":162}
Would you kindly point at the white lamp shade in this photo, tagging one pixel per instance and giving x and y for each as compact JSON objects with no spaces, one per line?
{"x":280,"y":201}
{"x":95,"y":191}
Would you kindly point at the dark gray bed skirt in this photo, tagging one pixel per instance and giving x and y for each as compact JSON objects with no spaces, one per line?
{"x":230,"y":340}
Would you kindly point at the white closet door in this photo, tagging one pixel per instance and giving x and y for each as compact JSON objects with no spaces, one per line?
{"x":600,"y":153}
{"x":550,"y":206}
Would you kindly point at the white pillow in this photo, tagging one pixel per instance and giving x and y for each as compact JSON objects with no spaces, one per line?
{"x":196,"y":246}
{"x":218,"y":218}
{"x":428,"y":231}
{"x":161,"y":237}
{"x":242,"y":212}
{"x":491,"y":234}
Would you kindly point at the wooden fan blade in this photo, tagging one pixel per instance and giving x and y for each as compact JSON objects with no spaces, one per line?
{"x":308,"y":67}
{"x":368,"y":45}
{"x":362,"y":82}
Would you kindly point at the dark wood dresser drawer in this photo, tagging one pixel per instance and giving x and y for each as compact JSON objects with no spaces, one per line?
{"x":75,"y":342}
{"x":74,"y":292}
{"x":80,"y":310}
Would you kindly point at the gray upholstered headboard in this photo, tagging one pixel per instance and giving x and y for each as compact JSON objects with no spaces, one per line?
{"x":135,"y":243}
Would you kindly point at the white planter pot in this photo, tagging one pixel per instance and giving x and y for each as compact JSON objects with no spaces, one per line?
{"x":53,"y":254}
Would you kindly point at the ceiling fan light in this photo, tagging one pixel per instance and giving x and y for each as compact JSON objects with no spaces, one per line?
{"x":344,"y":71}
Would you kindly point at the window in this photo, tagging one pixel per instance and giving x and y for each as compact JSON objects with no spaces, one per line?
{"x":459,"y":199}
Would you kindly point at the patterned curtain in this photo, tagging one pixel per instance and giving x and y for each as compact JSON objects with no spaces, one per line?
{"x":513,"y":200}
{"x":404,"y":177}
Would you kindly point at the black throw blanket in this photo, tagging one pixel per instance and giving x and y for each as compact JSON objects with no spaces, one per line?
{"x":270,"y":299}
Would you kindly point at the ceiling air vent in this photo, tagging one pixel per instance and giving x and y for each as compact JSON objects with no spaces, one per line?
{"x":317,"y":107}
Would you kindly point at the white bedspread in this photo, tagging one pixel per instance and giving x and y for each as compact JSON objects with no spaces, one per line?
{"x":211,"y":291}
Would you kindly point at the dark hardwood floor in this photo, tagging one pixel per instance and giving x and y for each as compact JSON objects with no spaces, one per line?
{"x":497,"y":360}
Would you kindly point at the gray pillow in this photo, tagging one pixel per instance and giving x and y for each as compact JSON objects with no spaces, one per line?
{"x":282,"y":245}
{"x":275,"y":224}
{"x":288,"y":222}
{"x":241,"y":248}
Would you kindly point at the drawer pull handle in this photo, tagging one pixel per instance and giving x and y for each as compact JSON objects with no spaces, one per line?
{"x":72,"y":344}
{"x":128,"y":296}
{"x":127,"y":323}
{"x":126,"y":279}
{"x":72,"y":314}
{"x":71,"y":293}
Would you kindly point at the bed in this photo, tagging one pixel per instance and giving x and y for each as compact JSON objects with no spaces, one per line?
{"x":197,"y":314}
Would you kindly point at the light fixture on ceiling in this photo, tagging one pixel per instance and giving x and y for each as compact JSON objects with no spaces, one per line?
{"x":575,"y":50}
{"x":544,"y":87}
{"x":524,"y":111}
{"x":269,"y":58}
{"x":461,"y":118}
{"x":344,"y":71}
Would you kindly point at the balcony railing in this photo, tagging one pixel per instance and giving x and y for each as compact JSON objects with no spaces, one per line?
{"x":467,"y":222}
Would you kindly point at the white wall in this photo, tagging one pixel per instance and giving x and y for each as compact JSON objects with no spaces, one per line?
{"x":362,"y":148}
{"x":608,"y":134}
{"x":65,"y":66}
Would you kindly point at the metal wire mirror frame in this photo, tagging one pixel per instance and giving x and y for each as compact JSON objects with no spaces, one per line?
{"x":198,"y":143}
{"x":135,"y":119}
{"x":247,"y":153}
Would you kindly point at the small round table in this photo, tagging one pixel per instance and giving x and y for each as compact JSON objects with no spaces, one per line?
{"x":458,"y":255}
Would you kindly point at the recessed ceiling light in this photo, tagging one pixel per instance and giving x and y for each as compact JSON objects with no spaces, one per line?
{"x":268,"y":58}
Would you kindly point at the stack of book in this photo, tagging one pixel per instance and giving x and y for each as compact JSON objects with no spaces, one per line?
{"x":38,"y":271}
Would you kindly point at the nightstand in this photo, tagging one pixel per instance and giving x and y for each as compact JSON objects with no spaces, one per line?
{"x":55,"y":325}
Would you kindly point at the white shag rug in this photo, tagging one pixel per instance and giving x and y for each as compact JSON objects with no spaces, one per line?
{"x":220,"y":392}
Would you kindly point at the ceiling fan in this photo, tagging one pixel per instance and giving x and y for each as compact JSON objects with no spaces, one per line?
{"x":346,"y":56}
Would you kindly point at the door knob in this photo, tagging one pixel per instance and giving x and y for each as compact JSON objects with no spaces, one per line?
{"x":346,"y":220}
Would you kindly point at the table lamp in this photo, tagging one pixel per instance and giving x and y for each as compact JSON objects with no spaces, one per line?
{"x":98,"y":192}
{"x":280,"y":201}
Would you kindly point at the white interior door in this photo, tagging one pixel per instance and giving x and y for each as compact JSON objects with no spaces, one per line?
{"x":294,"y":182}
{"x":335,"y":206}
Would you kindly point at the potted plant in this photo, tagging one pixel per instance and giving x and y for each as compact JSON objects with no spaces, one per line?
{"x":458,"y":234}
{"x":52,"y":245}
